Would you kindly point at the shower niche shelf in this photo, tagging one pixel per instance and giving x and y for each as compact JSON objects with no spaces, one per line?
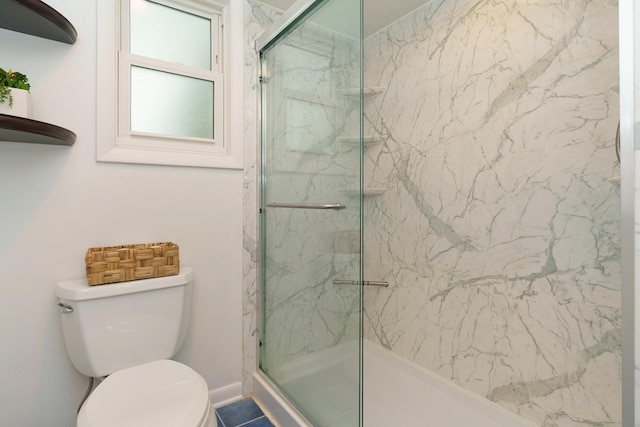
{"x":367,"y":92}
{"x":36,"y":18}
{"x":368,"y":192}
{"x":18,"y":129}
{"x":368,"y":140}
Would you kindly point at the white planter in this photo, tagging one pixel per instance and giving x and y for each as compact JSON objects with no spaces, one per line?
{"x":20,"y":106}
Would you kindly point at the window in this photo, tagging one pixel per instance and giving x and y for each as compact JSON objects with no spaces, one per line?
{"x":162,"y":90}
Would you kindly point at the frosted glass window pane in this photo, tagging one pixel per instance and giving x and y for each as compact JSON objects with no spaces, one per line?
{"x":171,"y":104}
{"x":170,"y":35}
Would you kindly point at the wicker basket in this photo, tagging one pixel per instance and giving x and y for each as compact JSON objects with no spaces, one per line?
{"x":115,"y":264}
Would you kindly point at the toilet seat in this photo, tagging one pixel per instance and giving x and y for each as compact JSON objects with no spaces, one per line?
{"x":163,"y":393}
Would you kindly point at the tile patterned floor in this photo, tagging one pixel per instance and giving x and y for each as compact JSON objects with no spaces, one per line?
{"x":244,"y":413}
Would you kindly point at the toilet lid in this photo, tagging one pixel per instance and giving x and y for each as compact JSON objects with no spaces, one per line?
{"x":162,"y":393}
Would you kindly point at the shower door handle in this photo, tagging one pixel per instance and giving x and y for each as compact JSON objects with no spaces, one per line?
{"x":333,"y":206}
{"x":358,"y":282}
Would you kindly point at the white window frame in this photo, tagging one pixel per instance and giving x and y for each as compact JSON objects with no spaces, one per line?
{"x":115,"y":142}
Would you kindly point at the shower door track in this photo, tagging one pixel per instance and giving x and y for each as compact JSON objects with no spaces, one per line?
{"x":284,"y":21}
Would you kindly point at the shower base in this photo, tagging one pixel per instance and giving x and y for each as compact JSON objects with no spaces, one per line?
{"x":396,"y":393}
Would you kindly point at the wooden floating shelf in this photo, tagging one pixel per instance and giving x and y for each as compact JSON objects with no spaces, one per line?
{"x":18,"y":129}
{"x":36,"y":18}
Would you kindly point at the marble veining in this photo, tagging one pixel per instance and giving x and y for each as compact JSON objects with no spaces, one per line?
{"x":257,"y":18}
{"x":306,"y":162}
{"x":498,"y":232}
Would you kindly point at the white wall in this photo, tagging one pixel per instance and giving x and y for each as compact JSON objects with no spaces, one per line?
{"x":629,"y":132}
{"x":631,"y":79}
{"x":57,"y":201}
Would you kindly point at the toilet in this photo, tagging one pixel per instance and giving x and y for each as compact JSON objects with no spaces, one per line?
{"x":128,"y":332}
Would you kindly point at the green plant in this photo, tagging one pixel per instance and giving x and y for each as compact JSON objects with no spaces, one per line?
{"x":11,"y":79}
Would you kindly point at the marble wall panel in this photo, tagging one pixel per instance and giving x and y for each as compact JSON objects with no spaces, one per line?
{"x":499,"y":229}
{"x":257,"y":19}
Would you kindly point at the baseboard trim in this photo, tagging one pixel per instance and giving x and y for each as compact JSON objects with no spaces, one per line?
{"x":225,"y":395}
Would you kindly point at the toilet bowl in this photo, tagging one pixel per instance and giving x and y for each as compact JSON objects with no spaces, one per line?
{"x":162,"y":393}
{"x":127,"y":332}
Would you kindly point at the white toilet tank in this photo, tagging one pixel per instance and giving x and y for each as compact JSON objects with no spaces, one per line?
{"x":107,"y":328}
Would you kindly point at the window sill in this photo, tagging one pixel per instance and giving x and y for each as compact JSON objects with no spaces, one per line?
{"x":169,"y":158}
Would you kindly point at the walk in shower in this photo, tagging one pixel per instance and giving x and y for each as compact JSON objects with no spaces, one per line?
{"x":440,"y":213}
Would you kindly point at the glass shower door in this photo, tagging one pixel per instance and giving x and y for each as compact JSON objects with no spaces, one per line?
{"x":311,"y":213}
